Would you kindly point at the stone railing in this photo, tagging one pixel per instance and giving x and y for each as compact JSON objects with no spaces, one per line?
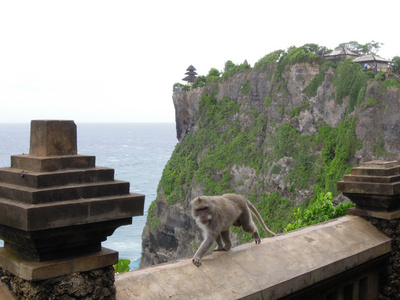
{"x":323,"y":257}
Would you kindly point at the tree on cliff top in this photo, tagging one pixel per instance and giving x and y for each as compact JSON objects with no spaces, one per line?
{"x":368,"y":48}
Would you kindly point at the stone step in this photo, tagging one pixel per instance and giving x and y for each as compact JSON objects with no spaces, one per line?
{"x":374,"y":179}
{"x":370,"y":188}
{"x":34,"y":163}
{"x":28,"y":217}
{"x":63,"y":193}
{"x":368,"y":171}
{"x":57,"y":178}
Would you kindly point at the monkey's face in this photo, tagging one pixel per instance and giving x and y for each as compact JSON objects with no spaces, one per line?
{"x":203,"y":214}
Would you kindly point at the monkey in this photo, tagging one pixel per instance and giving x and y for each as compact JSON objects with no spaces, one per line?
{"x":215,"y":215}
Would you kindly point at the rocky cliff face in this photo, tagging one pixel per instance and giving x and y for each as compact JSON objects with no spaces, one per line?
{"x":272,"y":108}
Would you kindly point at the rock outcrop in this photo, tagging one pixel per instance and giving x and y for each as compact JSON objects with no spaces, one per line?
{"x":273,"y":101}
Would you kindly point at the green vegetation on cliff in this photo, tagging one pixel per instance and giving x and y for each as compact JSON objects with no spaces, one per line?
{"x":232,"y":135}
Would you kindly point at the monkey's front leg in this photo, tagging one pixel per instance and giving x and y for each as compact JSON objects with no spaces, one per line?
{"x":204,"y":247}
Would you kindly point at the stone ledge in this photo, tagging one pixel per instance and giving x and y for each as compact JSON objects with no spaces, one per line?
{"x":56,"y":178}
{"x":75,"y":191}
{"x":277,"y":267}
{"x":30,"y":270}
{"x":71,"y":212}
{"x":29,"y":162}
{"x":386,"y":215}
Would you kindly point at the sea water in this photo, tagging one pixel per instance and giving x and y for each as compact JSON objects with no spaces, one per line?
{"x":137,"y":152}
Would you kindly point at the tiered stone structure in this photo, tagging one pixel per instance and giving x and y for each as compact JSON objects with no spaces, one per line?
{"x":56,"y":207}
{"x":375,"y":189}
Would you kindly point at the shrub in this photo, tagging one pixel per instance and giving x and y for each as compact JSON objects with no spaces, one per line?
{"x":199,"y":81}
{"x":322,"y":209}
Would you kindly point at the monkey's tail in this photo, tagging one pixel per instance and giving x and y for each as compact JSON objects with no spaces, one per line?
{"x":258,"y":216}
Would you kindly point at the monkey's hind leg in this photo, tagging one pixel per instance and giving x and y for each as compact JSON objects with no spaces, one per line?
{"x":223,"y":237}
{"x":249,"y":226}
{"x":226,"y":239}
{"x":256,"y":237}
{"x":220,"y":246}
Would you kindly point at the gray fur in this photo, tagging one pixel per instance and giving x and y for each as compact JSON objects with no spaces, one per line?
{"x":215,"y":215}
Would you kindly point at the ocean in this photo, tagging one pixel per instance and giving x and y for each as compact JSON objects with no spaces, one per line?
{"x":137,"y":151}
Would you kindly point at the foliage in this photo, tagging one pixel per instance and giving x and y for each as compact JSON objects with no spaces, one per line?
{"x":232,"y":69}
{"x":296,"y":55}
{"x":368,"y":48}
{"x":380,"y":76}
{"x":276,"y":211}
{"x":177,"y":85}
{"x":245,"y":88}
{"x":349,"y":79}
{"x":369,"y":103}
{"x":206,"y":153}
{"x":298,"y":109}
{"x":315,"y":48}
{"x":378,"y":149}
{"x":213,"y":75}
{"x":338,"y":145}
{"x":311,"y":89}
{"x":322,"y":209}
{"x":395,"y":64}
{"x":389,"y":82}
{"x":122,"y":266}
{"x":268,"y":60}
{"x":200,"y":81}
{"x":152,"y":215}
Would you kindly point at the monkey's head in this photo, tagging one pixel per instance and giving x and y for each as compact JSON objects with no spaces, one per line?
{"x":201,"y":209}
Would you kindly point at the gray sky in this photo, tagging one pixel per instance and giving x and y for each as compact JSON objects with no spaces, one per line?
{"x":116,"y":61}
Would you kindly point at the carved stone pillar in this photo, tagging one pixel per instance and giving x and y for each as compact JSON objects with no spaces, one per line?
{"x":56,"y":207}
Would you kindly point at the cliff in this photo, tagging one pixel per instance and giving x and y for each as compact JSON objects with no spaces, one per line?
{"x":279,"y":133}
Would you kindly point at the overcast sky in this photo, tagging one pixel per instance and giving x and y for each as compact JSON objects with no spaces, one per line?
{"x":116,"y":61}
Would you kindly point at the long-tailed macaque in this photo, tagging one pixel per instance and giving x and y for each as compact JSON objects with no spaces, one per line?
{"x":215,"y":215}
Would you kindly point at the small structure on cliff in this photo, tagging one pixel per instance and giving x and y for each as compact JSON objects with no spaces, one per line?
{"x":373,"y":60}
{"x":340,"y":54}
{"x":191,"y":75}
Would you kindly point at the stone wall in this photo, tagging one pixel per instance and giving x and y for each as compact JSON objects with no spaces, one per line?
{"x":94,"y":284}
{"x":390,"y":277}
{"x":280,"y":266}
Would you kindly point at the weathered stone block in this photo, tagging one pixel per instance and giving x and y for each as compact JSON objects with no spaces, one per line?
{"x":53,"y":137}
{"x":55,"y":178}
{"x":373,"y":186}
{"x":53,"y":163}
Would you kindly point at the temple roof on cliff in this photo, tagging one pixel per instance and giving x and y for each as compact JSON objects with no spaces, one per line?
{"x":341,"y":51}
{"x":191,"y":68}
{"x":191,"y":74}
{"x":369,"y":58}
